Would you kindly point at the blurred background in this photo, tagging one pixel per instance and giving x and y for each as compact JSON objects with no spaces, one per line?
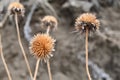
{"x":68,"y":62}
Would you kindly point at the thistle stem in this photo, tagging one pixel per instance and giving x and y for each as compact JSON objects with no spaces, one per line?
{"x":36,"y":69}
{"x":48,"y":30}
{"x":49,"y":71}
{"x":21,"y":46}
{"x":87,"y":69}
{"x":4,"y":62}
{"x":48,"y":63}
{"x":4,"y":20}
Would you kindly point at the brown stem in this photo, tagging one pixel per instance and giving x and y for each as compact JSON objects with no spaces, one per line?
{"x":36,"y":69}
{"x":49,"y":71}
{"x":87,"y":69}
{"x":21,"y":46}
{"x":4,"y":62}
{"x":4,"y":20}
{"x":48,"y":30}
{"x":48,"y":63}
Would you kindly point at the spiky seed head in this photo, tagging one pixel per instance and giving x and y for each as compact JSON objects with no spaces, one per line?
{"x":42,"y":45}
{"x":87,"y":21}
{"x":50,"y":21}
{"x":16,"y":7}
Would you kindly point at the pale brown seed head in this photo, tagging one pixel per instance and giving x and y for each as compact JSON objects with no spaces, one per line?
{"x":16,"y":7}
{"x":87,"y":20}
{"x":50,"y":21}
{"x":42,"y":45}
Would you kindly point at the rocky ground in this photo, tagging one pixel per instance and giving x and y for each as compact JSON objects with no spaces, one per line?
{"x":68,"y":61}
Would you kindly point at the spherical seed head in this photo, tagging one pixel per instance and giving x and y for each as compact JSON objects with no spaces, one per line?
{"x":50,"y":21}
{"x":42,"y":45}
{"x":16,"y":7}
{"x":87,"y":21}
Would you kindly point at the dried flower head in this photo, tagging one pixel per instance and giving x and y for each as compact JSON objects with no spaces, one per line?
{"x":42,"y":45}
{"x":16,"y":7}
{"x":50,"y":21}
{"x":87,"y":21}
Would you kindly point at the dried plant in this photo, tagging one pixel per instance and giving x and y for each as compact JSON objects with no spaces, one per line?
{"x":42,"y":46}
{"x":85,"y":23}
{"x":4,"y":62}
{"x":12,"y":9}
{"x":49,"y":23}
{"x":16,"y":9}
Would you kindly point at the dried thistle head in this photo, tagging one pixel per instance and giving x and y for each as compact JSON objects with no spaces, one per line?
{"x":87,"y":21}
{"x":16,"y":7}
{"x":50,"y":21}
{"x":42,"y":45}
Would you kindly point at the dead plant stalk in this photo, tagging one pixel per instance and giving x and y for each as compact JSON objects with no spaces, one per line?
{"x":4,"y":62}
{"x":21,"y":46}
{"x":49,"y":71}
{"x":48,"y":63}
{"x":86,"y":47}
{"x":36,"y":69}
